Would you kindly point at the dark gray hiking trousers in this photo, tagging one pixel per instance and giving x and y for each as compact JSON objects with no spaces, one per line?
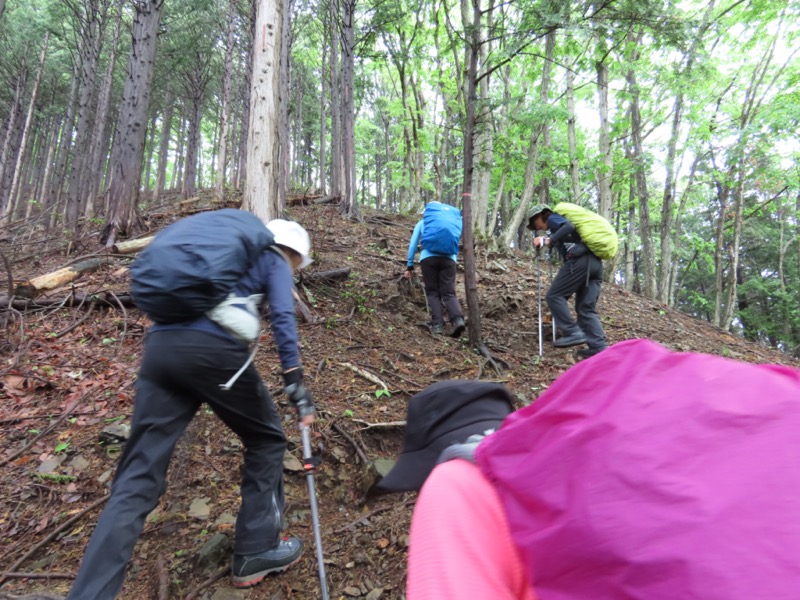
{"x":439,"y":276}
{"x":581,"y":276}
{"x":181,"y":370}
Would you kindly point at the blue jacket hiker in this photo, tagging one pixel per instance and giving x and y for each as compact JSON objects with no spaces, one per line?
{"x":195,"y":362}
{"x":581,"y":274}
{"x":438,"y":263}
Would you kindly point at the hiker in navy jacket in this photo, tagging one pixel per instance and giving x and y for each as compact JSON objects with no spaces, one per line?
{"x":439,"y":276}
{"x":581,"y":274}
{"x":191,"y":363}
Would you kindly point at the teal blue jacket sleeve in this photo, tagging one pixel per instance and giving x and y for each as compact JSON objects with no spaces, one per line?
{"x":414,"y":243}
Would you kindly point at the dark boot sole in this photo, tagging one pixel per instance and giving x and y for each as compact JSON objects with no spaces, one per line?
{"x":256,"y":578}
{"x":570,"y":344}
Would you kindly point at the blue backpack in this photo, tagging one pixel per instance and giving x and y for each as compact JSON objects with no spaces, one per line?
{"x":192,"y":265}
{"x":441,"y":228}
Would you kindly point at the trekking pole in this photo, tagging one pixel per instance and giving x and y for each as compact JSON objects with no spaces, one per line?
{"x":539,"y":295}
{"x":309,"y":464}
{"x":550,"y":268}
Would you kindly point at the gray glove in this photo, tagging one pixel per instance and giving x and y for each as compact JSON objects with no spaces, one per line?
{"x":297,"y":393}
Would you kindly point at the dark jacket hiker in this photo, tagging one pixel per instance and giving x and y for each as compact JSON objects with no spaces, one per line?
{"x":581,"y":275}
{"x":187,"y":364}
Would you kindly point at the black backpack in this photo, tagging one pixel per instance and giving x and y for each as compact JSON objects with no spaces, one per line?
{"x":192,"y":265}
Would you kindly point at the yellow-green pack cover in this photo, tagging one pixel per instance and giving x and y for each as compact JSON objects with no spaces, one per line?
{"x":595,"y":231}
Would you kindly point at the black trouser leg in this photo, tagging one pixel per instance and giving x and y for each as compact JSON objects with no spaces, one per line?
{"x":586,"y":303}
{"x":570,"y":279}
{"x":447,"y":287}
{"x":180,"y":370}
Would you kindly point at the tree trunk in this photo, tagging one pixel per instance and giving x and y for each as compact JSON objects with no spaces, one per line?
{"x":531,"y":170}
{"x":348,"y":113}
{"x":640,"y":176}
{"x":15,"y":182}
{"x":284,"y":86}
{"x":323,"y":120}
{"x":222,"y":157}
{"x":163,"y":148}
{"x":471,"y":99}
{"x":127,"y":152}
{"x":606,"y":172}
{"x":190,"y":174}
{"x":100,"y":134}
{"x":90,"y":43}
{"x":11,"y":142}
{"x":336,"y":109}
{"x":261,"y":194}
{"x":574,"y":168}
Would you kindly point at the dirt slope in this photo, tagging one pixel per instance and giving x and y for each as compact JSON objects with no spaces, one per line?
{"x":365,"y":333}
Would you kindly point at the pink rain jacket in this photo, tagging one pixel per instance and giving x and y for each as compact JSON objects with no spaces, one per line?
{"x":646,"y":474}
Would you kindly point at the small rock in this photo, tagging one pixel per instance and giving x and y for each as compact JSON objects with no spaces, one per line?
{"x":214,"y":552}
{"x":352,"y":591}
{"x":79,"y":463}
{"x":51,"y":464}
{"x":199,"y":508}
{"x":226,"y":593}
{"x":224,"y":520}
{"x":374,"y":594}
{"x":292,"y":463}
{"x":116,"y":433}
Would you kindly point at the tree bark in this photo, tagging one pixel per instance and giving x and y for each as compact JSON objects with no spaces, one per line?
{"x":127,"y":152}
{"x":163,"y":147}
{"x":15,"y":182}
{"x":606,"y":172}
{"x":222,"y":157}
{"x":100,"y":134}
{"x":261,"y":190}
{"x":640,"y":176}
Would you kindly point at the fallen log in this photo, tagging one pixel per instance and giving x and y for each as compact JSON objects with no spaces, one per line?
{"x":131,"y":246}
{"x":51,"y":281}
{"x":83,"y":300}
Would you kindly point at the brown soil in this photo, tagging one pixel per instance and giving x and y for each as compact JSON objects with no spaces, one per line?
{"x":367,"y":328}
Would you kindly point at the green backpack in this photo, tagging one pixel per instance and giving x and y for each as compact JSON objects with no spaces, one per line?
{"x":595,"y":231}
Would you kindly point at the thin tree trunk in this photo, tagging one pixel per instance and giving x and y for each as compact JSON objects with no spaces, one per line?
{"x":323,"y":120}
{"x":606,"y":171}
{"x":222,"y":157}
{"x":336,"y":129}
{"x":99,"y":143}
{"x":640,"y":176}
{"x":15,"y":182}
{"x":163,"y":147}
{"x":574,"y":168}
{"x":11,"y":142}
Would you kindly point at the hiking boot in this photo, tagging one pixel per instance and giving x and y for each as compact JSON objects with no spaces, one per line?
{"x":458,"y":327}
{"x":575,"y":339}
{"x":437,"y":329}
{"x":250,"y":569}
{"x":588,"y":352}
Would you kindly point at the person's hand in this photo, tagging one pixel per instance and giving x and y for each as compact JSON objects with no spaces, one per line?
{"x":409,"y":272}
{"x":299,"y":395}
{"x":541,"y":242}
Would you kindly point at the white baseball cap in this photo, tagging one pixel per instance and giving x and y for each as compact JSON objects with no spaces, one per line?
{"x":292,"y":235}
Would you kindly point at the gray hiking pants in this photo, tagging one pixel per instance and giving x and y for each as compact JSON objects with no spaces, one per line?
{"x":181,"y":370}
{"x":439,"y":275}
{"x":581,"y":276}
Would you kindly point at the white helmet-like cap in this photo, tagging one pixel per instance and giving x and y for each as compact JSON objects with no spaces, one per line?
{"x":292,"y":235}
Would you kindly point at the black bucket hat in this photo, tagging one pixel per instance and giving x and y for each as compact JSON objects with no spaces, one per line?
{"x":441,"y":415}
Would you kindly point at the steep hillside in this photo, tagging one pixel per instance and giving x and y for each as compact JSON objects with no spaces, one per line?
{"x":363,"y":332}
